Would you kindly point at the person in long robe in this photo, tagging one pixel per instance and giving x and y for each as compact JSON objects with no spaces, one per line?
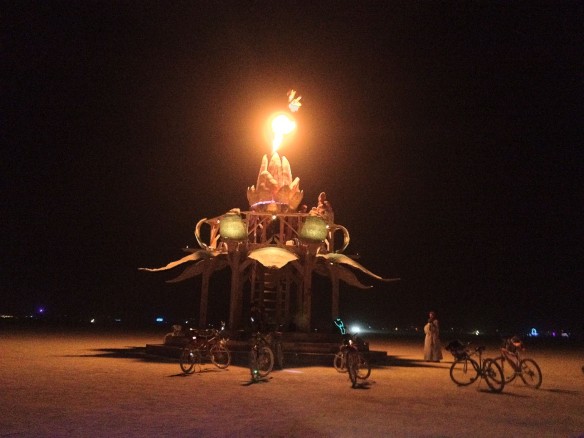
{"x":432,"y":345}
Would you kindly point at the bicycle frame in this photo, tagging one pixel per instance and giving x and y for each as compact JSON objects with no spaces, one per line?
{"x":359,"y":368}
{"x":513,"y":364}
{"x":261,"y":361}
{"x":204,"y":341}
{"x":466,"y":370}
{"x":208,"y":343}
{"x":512,"y":359}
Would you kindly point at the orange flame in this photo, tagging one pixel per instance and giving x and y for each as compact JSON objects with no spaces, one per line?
{"x":281,"y":126}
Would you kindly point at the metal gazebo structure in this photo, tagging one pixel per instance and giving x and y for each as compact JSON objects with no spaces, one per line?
{"x":272,"y":250}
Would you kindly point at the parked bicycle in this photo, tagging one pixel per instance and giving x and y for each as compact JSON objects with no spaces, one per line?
{"x":513,"y":365}
{"x":261,"y":357}
{"x":466,"y":369}
{"x":350,"y":359}
{"x":275,"y":341}
{"x":203,"y":344}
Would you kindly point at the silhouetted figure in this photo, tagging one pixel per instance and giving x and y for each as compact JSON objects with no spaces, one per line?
{"x":432,"y":345}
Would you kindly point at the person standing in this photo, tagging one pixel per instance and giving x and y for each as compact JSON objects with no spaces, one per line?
{"x":432,"y":345}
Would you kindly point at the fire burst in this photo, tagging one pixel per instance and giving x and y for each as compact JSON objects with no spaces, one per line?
{"x":281,"y":126}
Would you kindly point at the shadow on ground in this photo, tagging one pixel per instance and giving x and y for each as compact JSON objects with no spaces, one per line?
{"x":240,"y":358}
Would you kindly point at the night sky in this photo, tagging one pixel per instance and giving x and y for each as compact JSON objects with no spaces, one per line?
{"x":447,"y":136}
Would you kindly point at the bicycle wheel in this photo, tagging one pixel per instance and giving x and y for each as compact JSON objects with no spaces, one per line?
{"x":220,"y":356}
{"x":352,"y":366}
{"x":265,"y":361}
{"x":464,"y":372}
{"x":363,"y":367}
{"x":493,"y":375}
{"x":507,"y":368}
{"x":253,"y":364}
{"x":530,"y":373}
{"x":279,"y":356}
{"x":188,"y":359}
{"x":339,"y":363}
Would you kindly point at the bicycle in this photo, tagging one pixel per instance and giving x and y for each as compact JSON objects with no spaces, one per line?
{"x":275,"y":342}
{"x":350,"y":359}
{"x":466,"y":370}
{"x":261,"y":357}
{"x":513,"y":365}
{"x":340,"y":360}
{"x":205,"y":344}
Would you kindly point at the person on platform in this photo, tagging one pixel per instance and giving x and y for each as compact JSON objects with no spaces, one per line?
{"x":432,"y":345}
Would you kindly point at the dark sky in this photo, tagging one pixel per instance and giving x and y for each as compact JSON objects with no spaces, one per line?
{"x":447,"y":135}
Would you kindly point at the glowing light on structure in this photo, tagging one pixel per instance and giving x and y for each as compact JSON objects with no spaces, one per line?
{"x":314,"y":229}
{"x":233,"y":227}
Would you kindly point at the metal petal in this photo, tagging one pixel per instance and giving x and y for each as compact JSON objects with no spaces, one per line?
{"x":345,"y":260}
{"x":272,"y":257}
{"x":190,"y":272}
{"x":349,"y":277}
{"x":197,"y":255}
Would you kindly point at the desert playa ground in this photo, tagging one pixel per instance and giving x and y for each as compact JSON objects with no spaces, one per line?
{"x":79,"y":384}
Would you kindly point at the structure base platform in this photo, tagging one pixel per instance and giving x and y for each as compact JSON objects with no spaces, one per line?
{"x":299,"y":349}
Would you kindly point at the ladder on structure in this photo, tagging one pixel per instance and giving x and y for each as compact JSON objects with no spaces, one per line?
{"x":271,"y":291}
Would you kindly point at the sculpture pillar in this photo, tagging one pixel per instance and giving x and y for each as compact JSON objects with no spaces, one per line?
{"x":335,"y":294}
{"x":236,"y":294}
{"x":205,"y":295}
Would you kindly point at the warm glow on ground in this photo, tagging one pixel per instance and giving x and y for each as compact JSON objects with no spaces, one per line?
{"x":95,"y":382}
